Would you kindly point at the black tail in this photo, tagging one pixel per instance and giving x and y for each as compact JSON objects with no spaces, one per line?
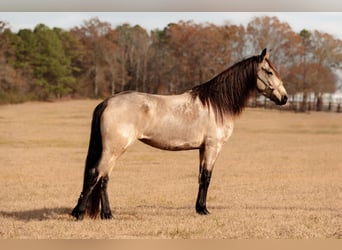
{"x":92,"y":161}
{"x":93,"y":207}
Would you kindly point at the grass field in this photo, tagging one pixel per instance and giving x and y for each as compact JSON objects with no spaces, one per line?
{"x":279,"y":176}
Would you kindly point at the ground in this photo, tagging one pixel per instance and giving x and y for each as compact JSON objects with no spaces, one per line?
{"x":279,"y":176}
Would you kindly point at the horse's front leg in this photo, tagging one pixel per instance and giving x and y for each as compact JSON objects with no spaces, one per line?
{"x":208,"y":157}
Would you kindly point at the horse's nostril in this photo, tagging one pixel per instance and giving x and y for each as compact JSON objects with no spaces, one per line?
{"x":284,"y":99}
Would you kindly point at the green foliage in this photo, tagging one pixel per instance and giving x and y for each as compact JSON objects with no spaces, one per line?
{"x":42,"y":58}
{"x":52,"y":71}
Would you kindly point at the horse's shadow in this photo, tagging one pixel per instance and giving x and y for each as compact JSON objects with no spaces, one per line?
{"x":63,"y":213}
{"x":40,"y":214}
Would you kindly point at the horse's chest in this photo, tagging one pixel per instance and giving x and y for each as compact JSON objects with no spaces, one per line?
{"x":223,"y":133}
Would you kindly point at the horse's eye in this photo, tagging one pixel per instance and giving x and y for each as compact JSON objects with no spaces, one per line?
{"x":268,"y":72}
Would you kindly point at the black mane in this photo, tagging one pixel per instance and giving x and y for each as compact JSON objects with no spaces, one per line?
{"x":228,"y":92}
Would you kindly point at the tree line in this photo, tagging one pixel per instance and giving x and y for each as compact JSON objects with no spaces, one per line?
{"x":98,"y":60}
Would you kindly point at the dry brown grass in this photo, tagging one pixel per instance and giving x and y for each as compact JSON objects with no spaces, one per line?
{"x":279,"y":176}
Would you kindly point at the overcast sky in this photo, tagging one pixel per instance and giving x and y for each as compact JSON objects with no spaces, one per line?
{"x":330,"y":22}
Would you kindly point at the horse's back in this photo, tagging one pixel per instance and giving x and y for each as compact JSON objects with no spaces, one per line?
{"x":135,"y":103}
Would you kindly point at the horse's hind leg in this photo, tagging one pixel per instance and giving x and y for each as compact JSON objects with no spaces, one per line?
{"x":91,"y":178}
{"x":104,"y":168}
{"x":105,"y":207}
{"x":94,"y":190}
{"x":109,"y":158}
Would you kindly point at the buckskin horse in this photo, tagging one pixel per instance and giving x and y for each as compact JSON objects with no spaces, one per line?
{"x":201,"y":118}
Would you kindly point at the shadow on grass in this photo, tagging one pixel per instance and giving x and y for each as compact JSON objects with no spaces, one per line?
{"x":153,"y":210}
{"x":38,"y":214}
{"x":63,"y":213}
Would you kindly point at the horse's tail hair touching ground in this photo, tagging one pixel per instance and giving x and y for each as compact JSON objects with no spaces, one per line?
{"x":92,"y":161}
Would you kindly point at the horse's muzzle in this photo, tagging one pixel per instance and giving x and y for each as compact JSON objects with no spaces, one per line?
{"x":282,"y":101}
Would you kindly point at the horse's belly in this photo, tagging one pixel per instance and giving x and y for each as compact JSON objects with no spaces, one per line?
{"x":171,"y":145}
{"x":169,"y":139}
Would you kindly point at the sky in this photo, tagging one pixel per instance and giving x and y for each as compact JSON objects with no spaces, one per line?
{"x":330,"y":22}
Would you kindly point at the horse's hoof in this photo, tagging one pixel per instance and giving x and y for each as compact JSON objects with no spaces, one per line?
{"x":202,"y":211}
{"x":77,"y":214}
{"x":106,"y":216}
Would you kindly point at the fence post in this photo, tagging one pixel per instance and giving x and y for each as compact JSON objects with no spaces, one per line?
{"x":330,"y":106}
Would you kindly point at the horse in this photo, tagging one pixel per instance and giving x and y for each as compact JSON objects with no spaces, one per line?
{"x":201,"y":118}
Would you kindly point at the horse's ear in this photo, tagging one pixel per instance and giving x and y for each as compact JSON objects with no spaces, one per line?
{"x":263,"y":54}
{"x":268,"y":54}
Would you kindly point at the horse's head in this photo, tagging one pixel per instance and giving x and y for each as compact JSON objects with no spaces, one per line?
{"x":269,"y":82}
